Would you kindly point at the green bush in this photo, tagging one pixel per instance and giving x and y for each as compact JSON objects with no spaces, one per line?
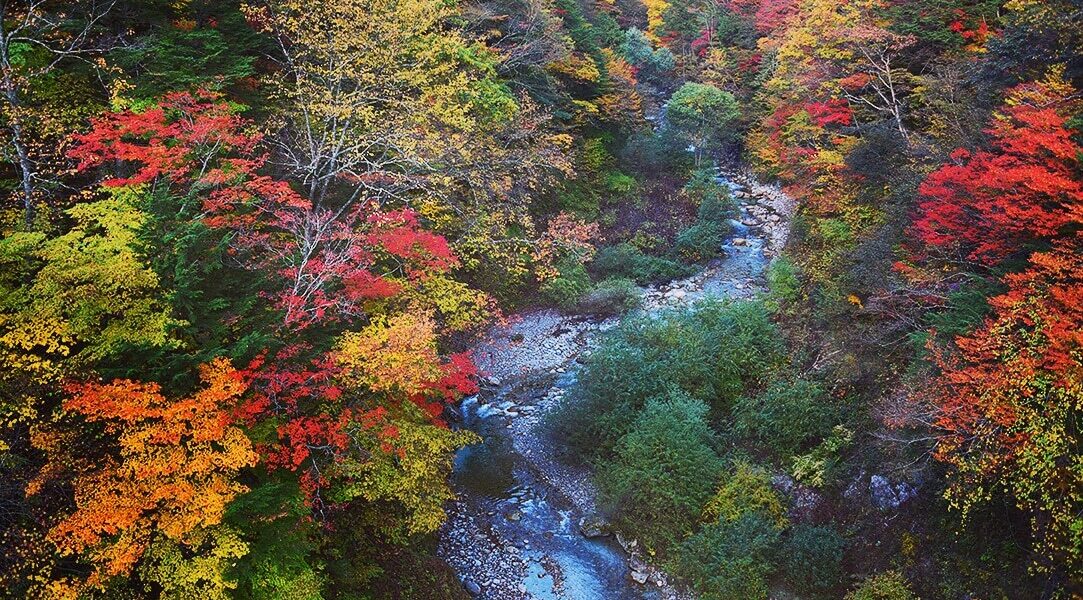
{"x":783,"y":281}
{"x":619,"y":184}
{"x":700,"y":242}
{"x":746,"y":489}
{"x":818,"y":466}
{"x":716,"y":205}
{"x":662,"y":471}
{"x":730,"y":560}
{"x":566,"y":289}
{"x":711,"y":352}
{"x":627,"y":261}
{"x":611,"y":297}
{"x":812,"y":560}
{"x":786,"y":418}
{"x":890,"y":585}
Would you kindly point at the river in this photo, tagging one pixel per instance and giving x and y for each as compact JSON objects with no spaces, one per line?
{"x":523,"y":524}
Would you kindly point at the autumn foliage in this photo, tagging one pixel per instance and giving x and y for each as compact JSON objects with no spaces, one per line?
{"x":174,"y":472}
{"x":1007,"y":398}
{"x":992,"y":203}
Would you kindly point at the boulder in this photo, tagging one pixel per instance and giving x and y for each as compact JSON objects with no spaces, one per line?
{"x":593,"y":527}
{"x":886,"y":495}
{"x":472,"y":587}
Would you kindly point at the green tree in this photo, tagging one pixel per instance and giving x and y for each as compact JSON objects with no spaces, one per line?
{"x":704,"y":115}
{"x":663,"y":471}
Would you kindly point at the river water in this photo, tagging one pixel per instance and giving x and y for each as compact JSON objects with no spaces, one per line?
{"x":516,"y":530}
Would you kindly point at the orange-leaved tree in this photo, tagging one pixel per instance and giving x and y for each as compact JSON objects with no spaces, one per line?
{"x":169,"y":469}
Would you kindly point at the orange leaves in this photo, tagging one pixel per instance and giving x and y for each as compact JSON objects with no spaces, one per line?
{"x":174,"y":472}
{"x":565,"y":236}
{"x":1008,"y":398}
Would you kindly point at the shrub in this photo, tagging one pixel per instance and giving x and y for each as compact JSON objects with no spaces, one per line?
{"x":786,"y":417}
{"x":612,"y":296}
{"x":662,"y":471}
{"x":890,"y":585}
{"x":746,"y":489}
{"x":566,"y":289}
{"x":816,"y":467}
{"x":711,"y":352}
{"x":715,"y":202}
{"x":651,"y":152}
{"x":812,"y":560}
{"x":619,"y":184}
{"x":730,"y":560}
{"x":783,"y":281}
{"x":627,"y":261}
{"x":700,"y":242}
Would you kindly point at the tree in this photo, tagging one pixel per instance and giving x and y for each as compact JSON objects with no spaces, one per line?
{"x":387,"y":104}
{"x":58,"y":32}
{"x":174,"y":471}
{"x":329,"y":262}
{"x":991,"y":204}
{"x":1007,"y":402}
{"x":704,"y":115}
{"x":82,"y":296}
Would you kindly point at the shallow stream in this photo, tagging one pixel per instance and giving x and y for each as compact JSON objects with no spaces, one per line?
{"x":518,"y":528}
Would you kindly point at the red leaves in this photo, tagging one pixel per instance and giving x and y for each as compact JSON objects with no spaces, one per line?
{"x":1006,"y":401}
{"x":330,"y":261}
{"x":157,"y":143}
{"x":835,"y":111}
{"x":994,"y":203}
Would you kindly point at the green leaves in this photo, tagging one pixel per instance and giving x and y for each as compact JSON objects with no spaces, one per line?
{"x":84,"y":295}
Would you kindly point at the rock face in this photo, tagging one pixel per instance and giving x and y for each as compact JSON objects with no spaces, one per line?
{"x":886,"y":495}
{"x":803,"y":500}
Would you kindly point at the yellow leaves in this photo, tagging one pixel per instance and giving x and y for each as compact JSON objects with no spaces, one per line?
{"x":746,"y":489}
{"x":459,"y":306}
{"x":88,"y":289}
{"x":655,"y":17}
{"x":195,"y":570}
{"x":577,"y":66}
{"x":393,"y":354}
{"x":412,"y":472}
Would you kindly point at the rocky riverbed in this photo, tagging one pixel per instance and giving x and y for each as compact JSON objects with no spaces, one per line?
{"x":526,"y":524}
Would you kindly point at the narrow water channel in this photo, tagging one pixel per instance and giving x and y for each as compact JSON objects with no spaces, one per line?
{"x":521,"y":526}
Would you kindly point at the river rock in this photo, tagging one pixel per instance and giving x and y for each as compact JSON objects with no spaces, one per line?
{"x":592,"y":527}
{"x":638,"y":569}
{"x":472,"y":587}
